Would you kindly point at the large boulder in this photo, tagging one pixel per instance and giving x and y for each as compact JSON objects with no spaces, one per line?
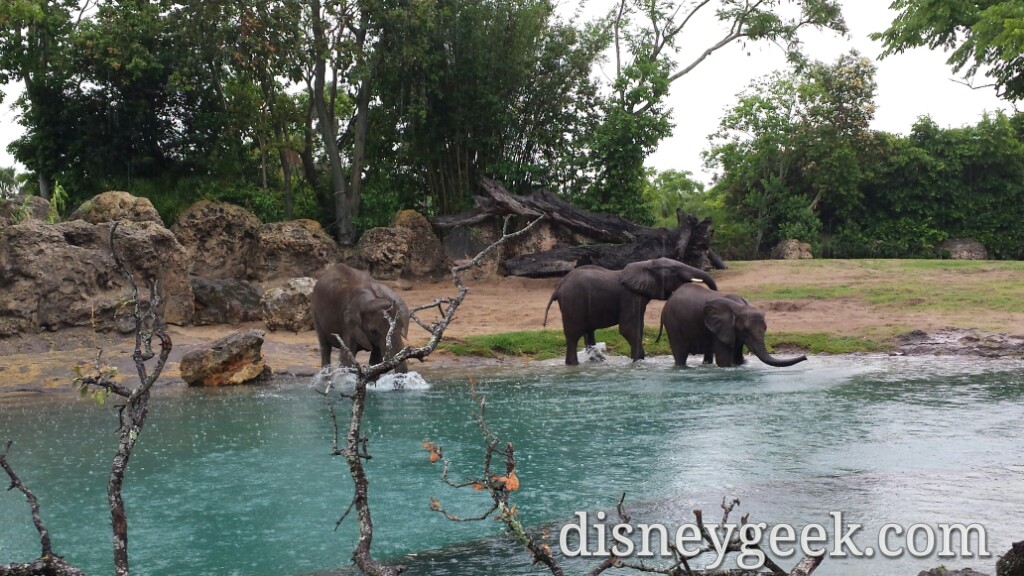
{"x":288,"y":307}
{"x":384,"y":252}
{"x":1012,"y":563}
{"x":426,"y":255}
{"x":114,"y":206}
{"x":407,"y":249}
{"x":225,"y":301}
{"x":59,"y":275}
{"x":21,"y":208}
{"x":792,"y":250}
{"x":234,"y":359}
{"x":222,"y":238}
{"x":962,"y":249}
{"x":293,"y":249}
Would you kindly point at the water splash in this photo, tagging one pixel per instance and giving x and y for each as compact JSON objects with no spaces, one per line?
{"x":344,"y":379}
{"x":407,"y":381}
{"x":593,"y":353}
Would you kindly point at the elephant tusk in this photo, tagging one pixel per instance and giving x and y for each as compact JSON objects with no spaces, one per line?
{"x":695,"y":280}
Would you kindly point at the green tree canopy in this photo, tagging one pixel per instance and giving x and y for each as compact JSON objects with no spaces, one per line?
{"x":984,"y":37}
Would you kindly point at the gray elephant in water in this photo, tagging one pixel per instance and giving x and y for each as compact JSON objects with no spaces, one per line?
{"x":592,"y":297}
{"x":351,"y":304}
{"x":699,"y":321}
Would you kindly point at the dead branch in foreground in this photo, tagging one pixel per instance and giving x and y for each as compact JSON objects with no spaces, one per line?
{"x":355,"y":450}
{"x":98,"y":381}
{"x":500,"y":488}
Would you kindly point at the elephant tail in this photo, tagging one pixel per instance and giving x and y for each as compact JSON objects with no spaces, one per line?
{"x":661,"y":326}
{"x":554,"y":296}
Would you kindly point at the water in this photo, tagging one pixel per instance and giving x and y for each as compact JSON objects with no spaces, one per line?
{"x":240,"y":481}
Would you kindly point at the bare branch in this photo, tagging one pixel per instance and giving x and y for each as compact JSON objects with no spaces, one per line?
{"x":33,"y":502}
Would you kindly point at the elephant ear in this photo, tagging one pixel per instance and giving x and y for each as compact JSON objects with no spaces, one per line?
{"x":720,"y":318}
{"x":659,"y":278}
{"x":372,"y":314}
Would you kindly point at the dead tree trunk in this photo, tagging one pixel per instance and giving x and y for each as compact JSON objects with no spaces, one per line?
{"x":618,"y":241}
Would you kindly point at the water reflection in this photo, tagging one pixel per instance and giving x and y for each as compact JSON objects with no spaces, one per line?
{"x":240,"y":481}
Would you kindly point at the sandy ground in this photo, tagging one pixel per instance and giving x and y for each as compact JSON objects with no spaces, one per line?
{"x":511,"y":304}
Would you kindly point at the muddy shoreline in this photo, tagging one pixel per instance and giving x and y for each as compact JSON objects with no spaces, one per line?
{"x":41,"y":363}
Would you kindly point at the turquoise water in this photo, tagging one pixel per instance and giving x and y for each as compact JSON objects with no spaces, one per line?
{"x":240,"y":481}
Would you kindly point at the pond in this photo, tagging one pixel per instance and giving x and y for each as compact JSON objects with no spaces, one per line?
{"x":240,"y":481}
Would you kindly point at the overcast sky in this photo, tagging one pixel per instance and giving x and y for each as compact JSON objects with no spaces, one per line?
{"x":910,"y":85}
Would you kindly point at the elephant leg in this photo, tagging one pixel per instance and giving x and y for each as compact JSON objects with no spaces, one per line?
{"x":635,"y":336}
{"x":571,"y":341}
{"x":590,"y":339}
{"x":709,"y":357}
{"x":376,"y":357}
{"x":737,"y":357}
{"x":325,"y":351}
{"x":723,"y":354}
{"x":680,"y":349}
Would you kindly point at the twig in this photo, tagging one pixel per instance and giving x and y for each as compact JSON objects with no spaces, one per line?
{"x":33,"y":502}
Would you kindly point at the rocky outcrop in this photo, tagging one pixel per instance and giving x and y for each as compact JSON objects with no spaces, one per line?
{"x":407,"y":249}
{"x":943,"y":571}
{"x":1012,"y":563}
{"x":792,"y":250}
{"x":962,"y":249}
{"x":384,"y":252}
{"x":221,"y":238}
{"x":114,"y":206}
{"x":225,"y":301}
{"x":234,"y":359}
{"x":426,"y":255}
{"x":59,"y":275}
{"x":21,"y":208}
{"x":292,"y":249}
{"x":288,"y":307}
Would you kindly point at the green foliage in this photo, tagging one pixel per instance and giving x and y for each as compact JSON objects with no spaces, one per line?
{"x":58,"y":201}
{"x":982,"y":36}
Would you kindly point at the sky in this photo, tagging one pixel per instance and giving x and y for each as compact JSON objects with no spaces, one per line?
{"x":910,"y":85}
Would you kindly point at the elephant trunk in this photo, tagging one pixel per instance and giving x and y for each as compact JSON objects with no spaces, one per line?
{"x":757,"y":346}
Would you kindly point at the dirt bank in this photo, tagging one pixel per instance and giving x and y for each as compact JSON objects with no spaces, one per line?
{"x":967,"y":308}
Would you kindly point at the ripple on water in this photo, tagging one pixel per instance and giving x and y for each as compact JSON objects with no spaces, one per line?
{"x":241,"y":481}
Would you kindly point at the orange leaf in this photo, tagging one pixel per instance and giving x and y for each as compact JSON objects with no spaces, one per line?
{"x":435,"y":504}
{"x":478,"y":486}
{"x":512,"y":483}
{"x":434,"y":456}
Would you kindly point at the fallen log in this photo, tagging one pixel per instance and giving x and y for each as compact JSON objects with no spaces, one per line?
{"x":618,"y":241}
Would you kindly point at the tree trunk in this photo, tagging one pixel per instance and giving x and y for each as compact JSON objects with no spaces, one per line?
{"x":622,"y":241}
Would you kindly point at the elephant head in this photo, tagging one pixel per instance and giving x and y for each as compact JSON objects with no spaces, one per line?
{"x":371,"y":331}
{"x":736,"y":323}
{"x":657,"y":279}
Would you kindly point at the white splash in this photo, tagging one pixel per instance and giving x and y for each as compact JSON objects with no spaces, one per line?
{"x":408,"y":381}
{"x":593,"y":353}
{"x":344,"y":379}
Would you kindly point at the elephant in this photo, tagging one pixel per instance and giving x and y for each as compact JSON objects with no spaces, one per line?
{"x":592,"y":297}
{"x":699,"y":321}
{"x":350,"y":303}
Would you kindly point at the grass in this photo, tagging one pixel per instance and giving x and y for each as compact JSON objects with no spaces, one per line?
{"x":547,"y":344}
{"x":960,"y":291}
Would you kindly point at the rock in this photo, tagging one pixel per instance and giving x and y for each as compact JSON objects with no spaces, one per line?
{"x":113,"y":206}
{"x":962,"y":249}
{"x":292,"y":249}
{"x":234,"y":359}
{"x":221,"y":238}
{"x":943,"y":571}
{"x":426,"y":256}
{"x":59,"y":275}
{"x":225,"y":301}
{"x":21,"y":208}
{"x":1012,"y":563}
{"x":384,"y":253}
{"x":792,"y":250}
{"x":288,"y":307}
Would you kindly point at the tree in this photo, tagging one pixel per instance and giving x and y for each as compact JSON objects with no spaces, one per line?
{"x":984,"y":37}
{"x":646,"y":36}
{"x":35,"y":37}
{"x":790,"y":150}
